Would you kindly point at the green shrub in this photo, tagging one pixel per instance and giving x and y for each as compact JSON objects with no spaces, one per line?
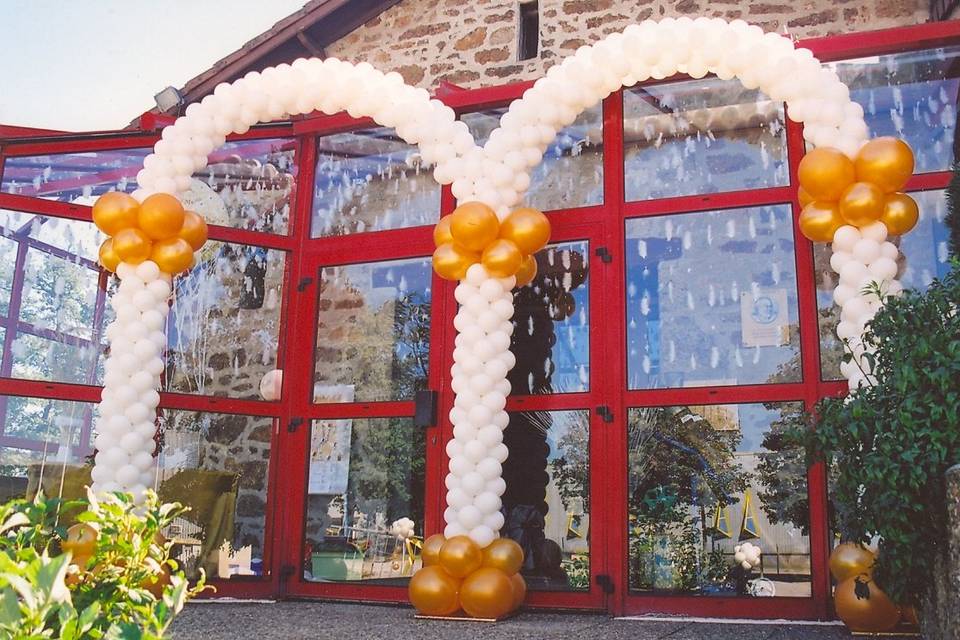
{"x":890,"y":444}
{"x":126,"y":587}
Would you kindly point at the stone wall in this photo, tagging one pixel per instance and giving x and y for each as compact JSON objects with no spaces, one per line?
{"x":474,"y":43}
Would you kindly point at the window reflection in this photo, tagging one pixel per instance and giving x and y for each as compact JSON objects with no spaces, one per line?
{"x":571,"y":173}
{"x":71,"y":177}
{"x":44,"y":444}
{"x":53,"y":320}
{"x":711,"y":299}
{"x":218,"y":465}
{"x":371,"y":180}
{"x":547,"y":502}
{"x":703,"y":479}
{"x":551,"y":324}
{"x":923,"y":257}
{"x":224,"y":323}
{"x":373,"y":331}
{"x":247,"y":185}
{"x":701,"y":136}
{"x":364,"y":475}
{"x":910,"y":95}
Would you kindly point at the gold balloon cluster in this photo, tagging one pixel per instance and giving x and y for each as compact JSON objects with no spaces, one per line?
{"x":457,"y":574}
{"x":835,"y":191}
{"x":860,"y":603}
{"x":158,"y":229}
{"x":473,"y":234}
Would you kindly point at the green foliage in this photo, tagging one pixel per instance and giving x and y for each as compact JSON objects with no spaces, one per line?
{"x":890,"y":444}
{"x":109,"y":593}
{"x":577,"y":568}
{"x":952,"y":219}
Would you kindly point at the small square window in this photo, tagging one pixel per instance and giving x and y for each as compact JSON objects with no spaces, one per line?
{"x":528,"y":31}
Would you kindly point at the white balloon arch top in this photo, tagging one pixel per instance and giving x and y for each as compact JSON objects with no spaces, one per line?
{"x":498,"y":174}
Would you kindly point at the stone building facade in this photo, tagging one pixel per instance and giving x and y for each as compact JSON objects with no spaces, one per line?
{"x":474,"y":44}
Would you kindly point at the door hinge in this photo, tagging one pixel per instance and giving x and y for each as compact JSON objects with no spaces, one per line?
{"x":424,"y":408}
{"x":605,"y":583}
{"x":604,"y":254}
{"x":604,"y":412}
{"x":294,"y":424}
{"x":304,"y":283}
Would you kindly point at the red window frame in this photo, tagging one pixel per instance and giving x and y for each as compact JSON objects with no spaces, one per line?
{"x":288,"y":451}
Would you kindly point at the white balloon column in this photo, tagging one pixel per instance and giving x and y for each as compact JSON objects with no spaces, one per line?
{"x":494,"y":178}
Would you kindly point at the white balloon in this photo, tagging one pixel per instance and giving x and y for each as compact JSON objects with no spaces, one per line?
{"x":845,"y":237}
{"x":853,"y":272}
{"x":451,"y":481}
{"x":461,"y":466}
{"x":489,"y":468}
{"x":457,"y":498}
{"x":883,"y":268}
{"x":487,"y":502}
{"x":469,"y":516}
{"x":475,"y":451}
{"x":473,"y":483}
{"x":889,"y":250}
{"x":842,"y":293}
{"x":482,"y":535}
{"x":137,"y":412}
{"x":497,"y":486}
{"x":494,"y":520}
{"x":454,"y":448}
{"x":838,"y":259}
{"x":866,"y":250}
{"x":499,"y":452}
{"x":876,"y":231}
{"x":453,"y":529}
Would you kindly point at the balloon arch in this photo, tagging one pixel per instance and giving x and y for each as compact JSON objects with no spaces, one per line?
{"x":849,"y":191}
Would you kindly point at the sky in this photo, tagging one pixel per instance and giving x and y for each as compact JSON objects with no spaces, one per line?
{"x":86,"y":65}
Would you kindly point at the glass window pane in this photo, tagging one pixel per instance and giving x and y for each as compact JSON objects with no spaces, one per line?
{"x":712,"y":299}
{"x":224,"y":324}
{"x":923,"y":257}
{"x":371,"y":180}
{"x":218,"y":465}
{"x":373,"y":331}
{"x":571,"y":173}
{"x":365,"y":474}
{"x":911,"y":95}
{"x":701,"y":136}
{"x":44,"y":441}
{"x":551,"y":324}
{"x":247,"y":185}
{"x":547,"y":502}
{"x":61,"y":307}
{"x":703,"y":479}
{"x":71,"y":177}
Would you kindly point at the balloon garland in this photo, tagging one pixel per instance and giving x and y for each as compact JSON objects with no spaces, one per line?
{"x":849,"y":190}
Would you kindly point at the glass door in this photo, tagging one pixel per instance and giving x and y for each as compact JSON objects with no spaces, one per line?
{"x":370,"y":319}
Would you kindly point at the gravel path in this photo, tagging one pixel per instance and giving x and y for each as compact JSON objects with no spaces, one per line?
{"x":317,"y":620}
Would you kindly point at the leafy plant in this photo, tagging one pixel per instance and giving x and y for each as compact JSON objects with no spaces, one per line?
{"x":120,"y":585}
{"x":890,"y":443}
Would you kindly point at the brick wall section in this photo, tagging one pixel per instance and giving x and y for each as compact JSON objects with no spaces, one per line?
{"x":474,"y":43}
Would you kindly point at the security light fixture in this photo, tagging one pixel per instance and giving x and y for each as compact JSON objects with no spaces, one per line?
{"x":168,"y":99}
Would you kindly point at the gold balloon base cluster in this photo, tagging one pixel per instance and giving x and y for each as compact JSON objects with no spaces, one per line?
{"x":860,"y":603}
{"x":461,"y":581}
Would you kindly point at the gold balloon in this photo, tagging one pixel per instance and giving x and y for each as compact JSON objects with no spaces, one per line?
{"x":108,"y":257}
{"x":804,"y":197}
{"x":487,"y":593}
{"x":430,"y":553}
{"x":451,"y":261}
{"x":433,"y":591}
{"x":850,"y":559}
{"x":886,"y":162}
{"x":861,"y":204}
{"x":527,"y":228}
{"x":502,"y":258}
{"x":900,"y":214}
{"x":132,"y":245}
{"x":863,"y":606}
{"x":519,"y":590}
{"x":825,"y":173}
{"x":503,"y":554}
{"x":114,"y":211}
{"x":460,"y":556}
{"x":441,"y":232}
{"x":81,"y":541}
{"x":527,"y":271}
{"x":194,"y":230}
{"x":820,"y":220}
{"x":161,"y":216}
{"x":172,"y":255}
{"x":474,"y":225}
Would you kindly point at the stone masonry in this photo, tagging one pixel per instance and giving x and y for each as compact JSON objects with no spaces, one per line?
{"x":474,"y":44}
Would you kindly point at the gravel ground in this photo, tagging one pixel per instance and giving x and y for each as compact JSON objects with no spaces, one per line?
{"x":293,"y":620}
